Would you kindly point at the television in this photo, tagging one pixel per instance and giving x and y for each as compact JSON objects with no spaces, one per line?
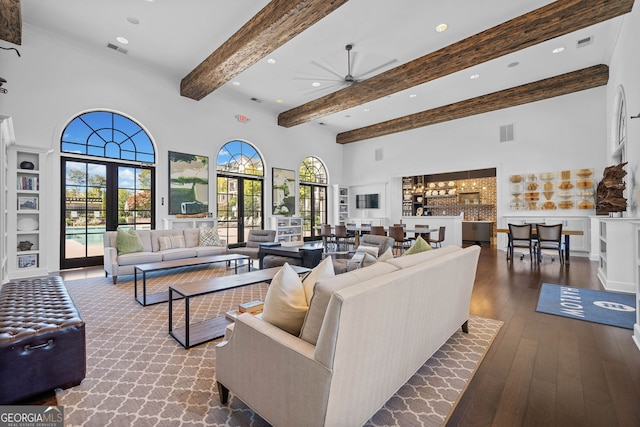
{"x":367,"y":201}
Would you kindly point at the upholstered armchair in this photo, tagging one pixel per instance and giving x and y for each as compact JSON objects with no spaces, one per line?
{"x":254,"y":240}
{"x":382,"y":243}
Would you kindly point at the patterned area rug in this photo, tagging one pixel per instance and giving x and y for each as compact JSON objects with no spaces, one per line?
{"x":138,"y":375}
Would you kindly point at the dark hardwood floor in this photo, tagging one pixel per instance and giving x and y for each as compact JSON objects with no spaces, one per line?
{"x":545,"y":370}
{"x":542,"y":370}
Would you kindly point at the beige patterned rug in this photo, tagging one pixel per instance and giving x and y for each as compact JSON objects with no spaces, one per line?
{"x":138,"y":375}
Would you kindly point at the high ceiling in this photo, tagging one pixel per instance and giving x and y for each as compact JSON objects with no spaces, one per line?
{"x":172,"y":37}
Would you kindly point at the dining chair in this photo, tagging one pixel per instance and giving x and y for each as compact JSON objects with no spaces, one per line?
{"x":425,"y":236}
{"x":342,"y":236}
{"x":549,"y":237}
{"x":377,"y":230}
{"x":438,"y":242}
{"x":401,"y":243}
{"x":520,"y":236}
{"x":327,"y":235}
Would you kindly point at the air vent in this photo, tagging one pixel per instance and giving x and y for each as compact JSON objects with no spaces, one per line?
{"x":254,"y":99}
{"x":116,"y":48}
{"x":584,"y":42}
{"x":506,"y":133}
{"x":379,"y":154}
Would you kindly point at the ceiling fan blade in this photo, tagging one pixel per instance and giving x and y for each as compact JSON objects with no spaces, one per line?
{"x":10,"y":15}
{"x":328,"y":70}
{"x":316,"y":79}
{"x":373,"y":70}
{"x":326,"y":88}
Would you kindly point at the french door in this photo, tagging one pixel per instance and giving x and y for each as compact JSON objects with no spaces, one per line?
{"x":313,"y":209}
{"x":239,"y":207}
{"x":101,"y":196}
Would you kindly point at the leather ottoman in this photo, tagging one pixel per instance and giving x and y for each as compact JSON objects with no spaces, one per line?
{"x":42,"y":339}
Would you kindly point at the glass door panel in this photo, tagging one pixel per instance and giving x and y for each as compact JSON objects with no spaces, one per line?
{"x":239,"y":207}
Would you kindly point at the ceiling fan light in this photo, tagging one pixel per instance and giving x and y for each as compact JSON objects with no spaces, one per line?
{"x":315,"y":84}
{"x":474,"y":76}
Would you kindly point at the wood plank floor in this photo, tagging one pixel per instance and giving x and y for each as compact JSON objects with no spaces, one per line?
{"x":542,"y":370}
{"x":545,"y":370}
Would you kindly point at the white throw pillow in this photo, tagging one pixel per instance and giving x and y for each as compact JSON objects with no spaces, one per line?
{"x":372,"y":250}
{"x":171,"y":242}
{"x":323,"y":270}
{"x":285,"y":304}
{"x":209,"y":237}
{"x":386,"y":255}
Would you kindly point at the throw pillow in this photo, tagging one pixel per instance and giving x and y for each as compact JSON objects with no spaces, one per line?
{"x":323,"y":270}
{"x":209,"y":237}
{"x":285,"y":304}
{"x":368,"y":260}
{"x":372,"y":250}
{"x":420,"y":245}
{"x":386,"y":255}
{"x":128,"y":241}
{"x":171,"y":242}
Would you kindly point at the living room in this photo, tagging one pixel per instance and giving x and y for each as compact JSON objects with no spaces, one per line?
{"x":56,"y":79}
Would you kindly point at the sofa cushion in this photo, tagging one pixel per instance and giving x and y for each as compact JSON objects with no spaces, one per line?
{"x":156,"y":234}
{"x":209,"y":237}
{"x":139,"y":258}
{"x":419,"y":245}
{"x":408,"y":261}
{"x":128,"y":241}
{"x":191,"y":237}
{"x":171,"y":242}
{"x":210,"y":250}
{"x":323,"y":290}
{"x":178,"y":253}
{"x":324,"y":270}
{"x":285,"y":304}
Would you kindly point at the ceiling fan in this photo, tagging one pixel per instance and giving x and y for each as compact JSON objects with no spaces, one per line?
{"x":337,"y":80}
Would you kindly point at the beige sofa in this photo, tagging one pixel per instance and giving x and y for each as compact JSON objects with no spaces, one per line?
{"x":365,"y":334}
{"x":119,"y":265}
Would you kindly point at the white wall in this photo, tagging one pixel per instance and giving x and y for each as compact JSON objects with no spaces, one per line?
{"x":566,"y":132}
{"x":625,"y":72}
{"x":52,"y":82}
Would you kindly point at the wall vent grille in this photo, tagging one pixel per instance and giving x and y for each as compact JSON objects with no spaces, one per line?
{"x":379,"y":154}
{"x":116,"y":48}
{"x":584,"y":42}
{"x":506,"y":133}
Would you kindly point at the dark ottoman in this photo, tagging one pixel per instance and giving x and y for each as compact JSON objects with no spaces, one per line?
{"x":42,"y":339}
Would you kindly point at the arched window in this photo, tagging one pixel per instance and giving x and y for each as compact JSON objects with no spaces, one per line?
{"x":313,"y":195}
{"x":109,"y":180}
{"x":240,"y":193}
{"x":107,"y":134}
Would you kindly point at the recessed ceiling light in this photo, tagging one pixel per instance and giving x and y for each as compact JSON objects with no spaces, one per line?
{"x":442,"y":27}
{"x":558,"y":50}
{"x":474,"y":76}
{"x":271,"y":61}
{"x":315,"y":84}
{"x":513,"y":64}
{"x":133,"y":20}
{"x":279,"y":101}
{"x":413,"y":95}
{"x":367,"y":109}
{"x":122,"y":40}
{"x":235,"y":83}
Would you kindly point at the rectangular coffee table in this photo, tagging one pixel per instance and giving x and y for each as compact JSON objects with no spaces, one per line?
{"x":211,"y":329}
{"x":160,"y":297}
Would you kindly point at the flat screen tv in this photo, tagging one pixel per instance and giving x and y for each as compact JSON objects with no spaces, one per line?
{"x":367,"y":201}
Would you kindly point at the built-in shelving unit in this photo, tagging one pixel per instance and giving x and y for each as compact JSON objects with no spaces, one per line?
{"x":343,"y":205}
{"x":6,"y":138}
{"x":288,"y":230}
{"x":636,"y":327}
{"x":25,"y":223}
{"x":617,"y":264}
{"x":180,"y":223}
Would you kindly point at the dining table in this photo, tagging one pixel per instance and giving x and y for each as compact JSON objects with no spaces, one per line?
{"x":567,"y":240}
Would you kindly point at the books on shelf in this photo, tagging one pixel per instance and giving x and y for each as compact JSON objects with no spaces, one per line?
{"x":28,"y":183}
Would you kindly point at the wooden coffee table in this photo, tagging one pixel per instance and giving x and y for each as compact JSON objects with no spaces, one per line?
{"x":160,"y":297}
{"x":211,"y":329}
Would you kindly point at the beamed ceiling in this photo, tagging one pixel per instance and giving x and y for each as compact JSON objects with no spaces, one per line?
{"x":220,"y":51}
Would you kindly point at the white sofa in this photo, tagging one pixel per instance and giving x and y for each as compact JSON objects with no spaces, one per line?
{"x":120,"y":265}
{"x":365,"y":334}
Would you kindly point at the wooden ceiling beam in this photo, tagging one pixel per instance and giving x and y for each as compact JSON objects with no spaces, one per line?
{"x":553,"y":20}
{"x":10,"y":21}
{"x":563,"y":84}
{"x":277,"y":23}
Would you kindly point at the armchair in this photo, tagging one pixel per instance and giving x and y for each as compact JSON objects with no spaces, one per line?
{"x":381,"y":242}
{"x":252,"y":245}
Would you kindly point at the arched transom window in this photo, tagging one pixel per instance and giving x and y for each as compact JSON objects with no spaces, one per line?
{"x":312,"y":171}
{"x":313,"y":195}
{"x":239,"y":157}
